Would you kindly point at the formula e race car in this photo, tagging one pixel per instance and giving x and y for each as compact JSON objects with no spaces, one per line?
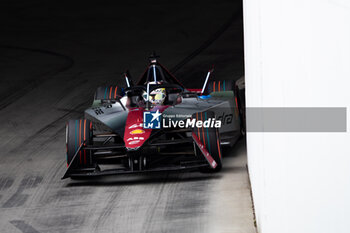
{"x":155,"y":125}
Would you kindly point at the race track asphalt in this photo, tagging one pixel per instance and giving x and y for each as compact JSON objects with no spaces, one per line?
{"x":53,"y":55}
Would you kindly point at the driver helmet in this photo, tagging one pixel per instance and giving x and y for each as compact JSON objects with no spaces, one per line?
{"x":156,"y":97}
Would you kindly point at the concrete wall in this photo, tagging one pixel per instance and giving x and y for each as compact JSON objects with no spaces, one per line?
{"x":297,"y":54}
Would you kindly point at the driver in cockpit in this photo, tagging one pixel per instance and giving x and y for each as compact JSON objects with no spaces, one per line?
{"x":156,"y":97}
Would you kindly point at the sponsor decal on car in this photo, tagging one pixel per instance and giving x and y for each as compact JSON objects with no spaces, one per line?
{"x":136,"y":126}
{"x":134,"y":142}
{"x":135,"y":138}
{"x":137,"y":131}
{"x":226,"y":118}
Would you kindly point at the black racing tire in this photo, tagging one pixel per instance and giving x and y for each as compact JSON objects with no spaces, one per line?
{"x":108,"y":93}
{"x":78,"y":131}
{"x":210,"y":138}
{"x":240,"y":102}
{"x":238,"y":88}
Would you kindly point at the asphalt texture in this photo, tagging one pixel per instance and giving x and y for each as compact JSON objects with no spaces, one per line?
{"x":53,"y":55}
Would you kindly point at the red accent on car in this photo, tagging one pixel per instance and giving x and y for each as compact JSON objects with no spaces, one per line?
{"x":203,"y":130}
{"x":195,"y":90}
{"x":237,"y":109}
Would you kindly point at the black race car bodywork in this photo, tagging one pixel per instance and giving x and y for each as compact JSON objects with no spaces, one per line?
{"x":113,"y":137}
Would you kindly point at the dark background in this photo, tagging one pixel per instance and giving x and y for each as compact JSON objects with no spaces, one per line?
{"x":101,"y":39}
{"x":53,"y":55}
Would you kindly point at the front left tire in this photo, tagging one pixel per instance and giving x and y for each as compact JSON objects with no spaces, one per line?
{"x":210,"y":138}
{"x":79,"y":132}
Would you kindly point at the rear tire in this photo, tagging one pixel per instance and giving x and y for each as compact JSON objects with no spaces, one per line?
{"x":240,"y":101}
{"x":238,"y":88}
{"x":108,"y":93}
{"x":218,"y":86}
{"x":211,"y":140}
{"x":78,"y":131}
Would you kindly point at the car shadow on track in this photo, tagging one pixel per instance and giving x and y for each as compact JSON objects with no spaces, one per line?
{"x":145,"y":179}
